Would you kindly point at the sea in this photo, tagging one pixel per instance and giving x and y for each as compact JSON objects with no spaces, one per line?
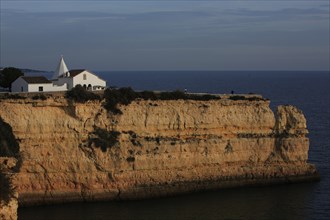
{"x":307,"y":90}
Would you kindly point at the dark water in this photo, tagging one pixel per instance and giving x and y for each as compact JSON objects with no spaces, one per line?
{"x":309,"y":91}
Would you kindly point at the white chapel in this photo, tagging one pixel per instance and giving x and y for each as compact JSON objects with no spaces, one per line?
{"x":62,"y":80}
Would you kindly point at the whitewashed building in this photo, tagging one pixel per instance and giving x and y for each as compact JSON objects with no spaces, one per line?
{"x":62,"y":80}
{"x":35,"y":84}
{"x":82,"y":77}
{"x":72,"y":78}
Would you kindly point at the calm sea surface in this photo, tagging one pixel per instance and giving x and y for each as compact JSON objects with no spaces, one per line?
{"x":309,"y":91}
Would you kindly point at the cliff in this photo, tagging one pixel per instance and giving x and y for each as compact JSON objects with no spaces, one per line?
{"x":8,"y":211}
{"x":81,"y":152}
{"x":8,"y":197}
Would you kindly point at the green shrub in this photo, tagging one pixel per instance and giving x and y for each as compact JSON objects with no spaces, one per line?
{"x":103,"y":139}
{"x":8,"y":75}
{"x":175,"y":95}
{"x":237,"y":97}
{"x":79,"y":94}
{"x":148,"y":95}
{"x":122,"y":96}
{"x":125,"y":96}
{"x":206,"y":97}
{"x":12,"y":96}
{"x":41,"y":97}
{"x":255,"y":98}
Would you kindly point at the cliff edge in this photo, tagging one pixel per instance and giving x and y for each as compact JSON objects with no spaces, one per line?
{"x":81,"y":152}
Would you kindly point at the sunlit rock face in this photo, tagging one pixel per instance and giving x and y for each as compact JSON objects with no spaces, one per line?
{"x":82,"y":152}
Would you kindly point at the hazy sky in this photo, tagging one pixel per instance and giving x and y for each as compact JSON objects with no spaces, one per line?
{"x":166,"y":35}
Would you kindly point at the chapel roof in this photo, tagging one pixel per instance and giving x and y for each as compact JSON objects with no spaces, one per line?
{"x":76,"y":72}
{"x":35,"y":79}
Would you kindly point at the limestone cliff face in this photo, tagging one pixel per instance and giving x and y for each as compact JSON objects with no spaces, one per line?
{"x":8,"y":211}
{"x":75,"y":152}
{"x":8,"y":197}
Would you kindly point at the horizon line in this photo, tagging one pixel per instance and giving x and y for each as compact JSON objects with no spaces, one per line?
{"x":187,"y":70}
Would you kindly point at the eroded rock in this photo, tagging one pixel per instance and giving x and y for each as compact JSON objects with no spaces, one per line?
{"x":160,"y":148}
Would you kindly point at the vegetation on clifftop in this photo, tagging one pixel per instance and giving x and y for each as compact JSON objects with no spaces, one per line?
{"x":125,"y":96}
{"x":11,"y":96}
{"x":81,"y":95}
{"x":40,"y":97}
{"x":240,"y":97}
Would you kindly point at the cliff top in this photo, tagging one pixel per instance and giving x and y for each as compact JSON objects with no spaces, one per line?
{"x":46,"y":95}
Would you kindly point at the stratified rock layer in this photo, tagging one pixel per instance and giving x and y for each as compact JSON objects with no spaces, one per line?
{"x":79,"y":152}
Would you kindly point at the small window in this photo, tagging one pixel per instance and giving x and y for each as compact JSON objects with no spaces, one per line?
{"x":84,"y":77}
{"x":41,"y":88}
{"x":22,"y":89}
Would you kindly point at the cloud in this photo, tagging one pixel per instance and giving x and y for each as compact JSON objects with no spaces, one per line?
{"x":279,"y":13}
{"x":154,"y":30}
{"x":83,"y":18}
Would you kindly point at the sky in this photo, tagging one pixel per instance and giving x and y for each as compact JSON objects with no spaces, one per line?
{"x":166,"y":35}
